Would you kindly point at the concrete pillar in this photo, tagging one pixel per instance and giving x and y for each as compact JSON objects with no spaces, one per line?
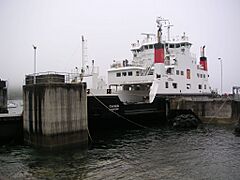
{"x":3,"y":97}
{"x":55,"y":114}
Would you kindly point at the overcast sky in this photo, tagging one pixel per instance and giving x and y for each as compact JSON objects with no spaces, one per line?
{"x":110,"y":26}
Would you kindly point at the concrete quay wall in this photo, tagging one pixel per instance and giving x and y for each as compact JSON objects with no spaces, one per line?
{"x":11,"y":129}
{"x":55,"y":115}
{"x":212,"y":110}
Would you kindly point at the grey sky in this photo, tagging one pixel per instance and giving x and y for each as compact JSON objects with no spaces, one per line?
{"x":110,"y":26}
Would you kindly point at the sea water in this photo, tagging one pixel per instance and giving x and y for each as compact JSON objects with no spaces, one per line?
{"x":210,"y":152}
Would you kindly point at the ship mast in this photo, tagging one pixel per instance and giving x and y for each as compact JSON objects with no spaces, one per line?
{"x":159,"y":25}
{"x":168,"y":30}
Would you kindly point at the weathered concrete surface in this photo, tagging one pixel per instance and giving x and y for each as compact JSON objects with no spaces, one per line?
{"x":210,"y":110}
{"x":55,"y":115}
{"x":3,"y":97}
{"x":11,"y":129}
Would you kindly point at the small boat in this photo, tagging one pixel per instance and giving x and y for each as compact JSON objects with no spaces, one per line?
{"x":11,"y":105}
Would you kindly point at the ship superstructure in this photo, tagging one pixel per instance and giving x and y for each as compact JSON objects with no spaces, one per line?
{"x":159,"y":67}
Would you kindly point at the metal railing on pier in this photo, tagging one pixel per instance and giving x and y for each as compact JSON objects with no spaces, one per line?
{"x":53,"y":77}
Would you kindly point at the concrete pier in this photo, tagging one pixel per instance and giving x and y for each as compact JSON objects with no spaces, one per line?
{"x":55,"y":112}
{"x":11,"y":129}
{"x":209,"y":109}
{"x":3,"y":97}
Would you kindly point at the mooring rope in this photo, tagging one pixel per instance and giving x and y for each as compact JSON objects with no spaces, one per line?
{"x":119,"y":115}
{"x":89,"y":135}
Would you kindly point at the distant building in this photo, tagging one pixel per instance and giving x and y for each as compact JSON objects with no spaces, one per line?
{"x":3,"y":97}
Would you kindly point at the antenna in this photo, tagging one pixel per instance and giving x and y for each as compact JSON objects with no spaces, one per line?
{"x":84,"y":55}
{"x":168,"y":29}
{"x":83,"y":60}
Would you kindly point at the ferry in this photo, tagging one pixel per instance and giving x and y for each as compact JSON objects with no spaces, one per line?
{"x":160,"y":68}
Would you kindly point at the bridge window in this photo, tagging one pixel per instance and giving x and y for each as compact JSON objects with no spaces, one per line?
{"x":124,"y":74}
{"x":166,"y":84}
{"x":171,"y":46}
{"x":145,"y":47}
{"x":174,"y":85}
{"x":170,"y":71}
{"x":118,"y":74}
{"x":130,"y":73}
{"x":177,"y":72}
{"x":177,"y":45}
{"x":150,"y":72}
{"x":182,"y":44}
{"x":137,"y":73}
{"x":151,"y":46}
{"x":199,"y":86}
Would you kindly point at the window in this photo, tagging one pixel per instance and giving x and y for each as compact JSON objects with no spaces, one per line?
{"x":182,"y":44}
{"x":188,"y":74}
{"x":204,"y":76}
{"x":174,"y":85}
{"x":151,"y":72}
{"x":124,"y":73}
{"x":177,"y":45}
{"x":169,"y":70}
{"x":145,"y":47}
{"x":177,"y":72}
{"x":130,"y":73}
{"x":137,"y":73}
{"x":150,"y":46}
{"x":118,"y":74}
{"x":199,"y":86}
{"x":171,"y":45}
{"x":188,"y":86}
{"x":158,"y":76}
{"x":200,"y":75}
{"x":197,"y":75}
{"x":205,"y":87}
{"x":166,"y":84}
{"x":182,"y":73}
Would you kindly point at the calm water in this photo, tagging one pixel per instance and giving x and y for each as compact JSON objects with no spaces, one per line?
{"x":209,"y":153}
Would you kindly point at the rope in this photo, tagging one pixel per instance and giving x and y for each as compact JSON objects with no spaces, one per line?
{"x":89,"y":135}
{"x":137,"y":124}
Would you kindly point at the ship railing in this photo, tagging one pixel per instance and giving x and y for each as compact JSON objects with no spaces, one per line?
{"x":136,"y":80}
{"x":149,"y":40}
{"x":120,"y":65}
